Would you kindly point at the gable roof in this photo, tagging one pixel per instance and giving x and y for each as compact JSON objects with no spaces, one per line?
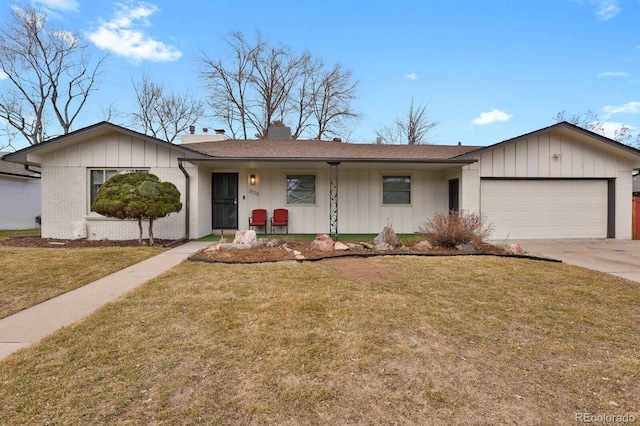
{"x":315,"y":150}
{"x":80,"y":135}
{"x":567,"y":129}
{"x":17,"y":170}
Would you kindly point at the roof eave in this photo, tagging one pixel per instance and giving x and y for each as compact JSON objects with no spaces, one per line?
{"x":332,"y":160}
{"x":558,"y":126}
{"x":22,"y":156}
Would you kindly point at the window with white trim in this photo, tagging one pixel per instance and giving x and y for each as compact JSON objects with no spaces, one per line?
{"x":301,"y":189}
{"x":99,"y":176}
{"x":396,"y":190}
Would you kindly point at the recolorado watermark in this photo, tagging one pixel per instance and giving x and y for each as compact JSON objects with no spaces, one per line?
{"x":605,"y":418}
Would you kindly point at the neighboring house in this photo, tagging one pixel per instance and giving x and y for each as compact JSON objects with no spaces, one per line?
{"x":558,"y":182}
{"x":19,"y":196}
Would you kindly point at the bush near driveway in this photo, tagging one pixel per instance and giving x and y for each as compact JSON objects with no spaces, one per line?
{"x":460,"y":340}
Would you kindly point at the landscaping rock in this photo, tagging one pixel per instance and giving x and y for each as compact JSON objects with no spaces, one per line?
{"x":245,"y":237}
{"x":383,"y":246}
{"x":466,"y":247}
{"x":368,"y":246}
{"x":514,"y":249}
{"x":340,"y":246}
{"x":353,"y":246}
{"x":323,"y":243}
{"x":272,"y":242}
{"x":424,"y":245}
{"x":387,"y":239}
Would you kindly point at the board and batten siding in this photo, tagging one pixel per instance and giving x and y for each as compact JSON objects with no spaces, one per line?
{"x":360,"y":208}
{"x":66,"y":177}
{"x":550,"y":155}
{"x":270,"y":192}
{"x":360,"y":201}
{"x":553,"y":155}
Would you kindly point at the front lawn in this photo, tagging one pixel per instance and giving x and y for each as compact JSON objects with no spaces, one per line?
{"x":31,"y":276}
{"x":421,"y":340}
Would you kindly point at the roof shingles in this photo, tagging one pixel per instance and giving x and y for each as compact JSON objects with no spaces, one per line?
{"x":326,"y":151}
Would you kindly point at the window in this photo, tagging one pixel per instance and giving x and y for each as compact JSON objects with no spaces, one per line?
{"x":98,"y":177}
{"x":396,"y":190}
{"x":301,"y":189}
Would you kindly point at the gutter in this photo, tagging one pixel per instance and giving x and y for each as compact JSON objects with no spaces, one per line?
{"x":187,"y":201}
{"x":29,"y":169}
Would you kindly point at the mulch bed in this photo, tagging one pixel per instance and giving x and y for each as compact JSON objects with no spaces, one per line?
{"x":256,"y":255}
{"x":275,"y":254}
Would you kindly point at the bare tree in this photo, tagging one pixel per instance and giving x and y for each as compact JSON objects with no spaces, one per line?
{"x":591,"y":121}
{"x":588,"y":120}
{"x":333,"y":94}
{"x":256,"y":84}
{"x":161,"y":115}
{"x":228,"y":81}
{"x":50,"y":73}
{"x":413,"y":129}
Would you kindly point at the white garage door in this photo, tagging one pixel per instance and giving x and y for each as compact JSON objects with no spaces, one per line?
{"x":546,"y":209}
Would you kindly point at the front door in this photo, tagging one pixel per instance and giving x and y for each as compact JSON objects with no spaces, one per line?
{"x":224,"y":195}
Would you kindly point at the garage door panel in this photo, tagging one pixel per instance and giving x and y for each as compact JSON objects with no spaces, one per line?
{"x":521,"y":209}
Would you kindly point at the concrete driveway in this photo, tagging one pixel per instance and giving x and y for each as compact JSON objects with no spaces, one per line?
{"x":616,"y":257}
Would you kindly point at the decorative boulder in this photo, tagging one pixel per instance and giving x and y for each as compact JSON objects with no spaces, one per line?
{"x":245,"y":237}
{"x":424,"y":245}
{"x":514,"y":249}
{"x":387,"y":239}
{"x":323,"y":243}
{"x":466,"y":247}
{"x":340,"y":246}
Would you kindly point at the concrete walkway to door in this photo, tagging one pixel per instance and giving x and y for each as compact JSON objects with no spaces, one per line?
{"x":615,"y":257}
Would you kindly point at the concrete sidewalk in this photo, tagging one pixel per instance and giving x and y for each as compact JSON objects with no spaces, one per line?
{"x":30,"y":325}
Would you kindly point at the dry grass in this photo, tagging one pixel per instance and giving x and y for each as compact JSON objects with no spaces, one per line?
{"x":464,"y":340}
{"x":31,"y":276}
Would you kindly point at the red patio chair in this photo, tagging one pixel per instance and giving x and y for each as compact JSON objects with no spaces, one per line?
{"x":280,"y":218}
{"x":258,"y":218}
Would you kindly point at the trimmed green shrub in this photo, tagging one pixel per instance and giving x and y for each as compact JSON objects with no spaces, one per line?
{"x":137,"y":196}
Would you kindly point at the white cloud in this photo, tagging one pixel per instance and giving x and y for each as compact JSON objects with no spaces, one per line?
{"x":412,"y":76}
{"x":3,"y":75}
{"x":59,"y":4}
{"x":628,"y":108}
{"x":493,"y":116}
{"x":614,"y":74}
{"x":607,"y":9}
{"x":123,"y":36}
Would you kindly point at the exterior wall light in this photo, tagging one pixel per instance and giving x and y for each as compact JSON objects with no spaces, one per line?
{"x":252,"y":179}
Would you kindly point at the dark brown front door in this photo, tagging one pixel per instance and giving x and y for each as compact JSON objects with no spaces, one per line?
{"x":224,"y":197}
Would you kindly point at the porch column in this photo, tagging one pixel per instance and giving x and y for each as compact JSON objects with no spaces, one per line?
{"x":333,"y":199}
{"x":470,"y":190}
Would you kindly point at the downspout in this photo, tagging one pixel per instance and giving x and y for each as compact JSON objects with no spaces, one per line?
{"x":29,"y":169}
{"x":187,"y":201}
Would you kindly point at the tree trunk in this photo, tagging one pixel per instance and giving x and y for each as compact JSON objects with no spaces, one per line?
{"x":140,"y":227}
{"x":150,"y":232}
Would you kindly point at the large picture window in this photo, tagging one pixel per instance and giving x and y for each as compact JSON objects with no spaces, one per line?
{"x":396,"y":190}
{"x":100,"y":176}
{"x":301,"y":189}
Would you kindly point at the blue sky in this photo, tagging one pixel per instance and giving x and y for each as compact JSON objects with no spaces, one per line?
{"x":488,"y":70}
